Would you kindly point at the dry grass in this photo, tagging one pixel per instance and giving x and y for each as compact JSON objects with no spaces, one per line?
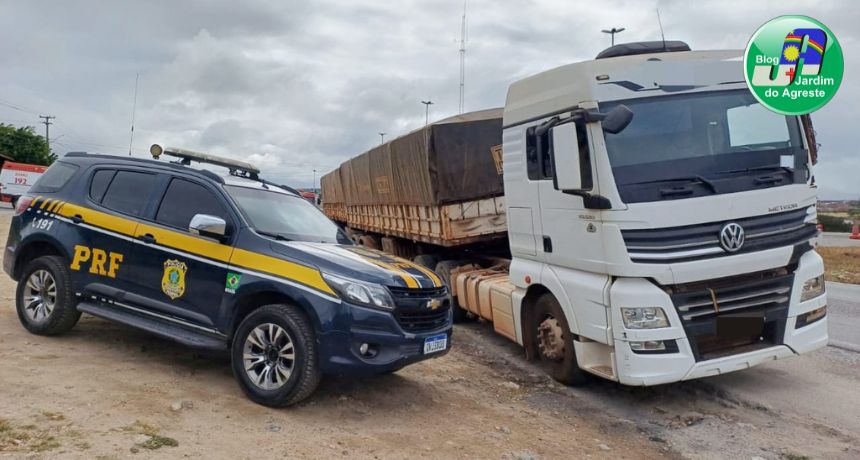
{"x":841,"y":264}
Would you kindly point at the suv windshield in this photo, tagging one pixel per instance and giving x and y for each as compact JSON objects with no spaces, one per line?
{"x":285,"y":216}
{"x":700,"y":144}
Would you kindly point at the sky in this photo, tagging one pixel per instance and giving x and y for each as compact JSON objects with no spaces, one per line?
{"x":298,"y":86}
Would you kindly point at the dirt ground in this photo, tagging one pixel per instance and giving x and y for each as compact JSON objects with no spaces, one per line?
{"x":842,"y":264}
{"x":109,"y":391}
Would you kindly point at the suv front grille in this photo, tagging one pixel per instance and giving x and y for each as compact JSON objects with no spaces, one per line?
{"x":413,"y":311}
{"x":762,"y":296}
{"x":427,"y":320}
{"x":702,"y":241}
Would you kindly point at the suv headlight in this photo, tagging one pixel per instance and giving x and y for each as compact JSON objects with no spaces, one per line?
{"x":359,"y":292}
{"x":644,"y":318}
{"x":812,"y":288}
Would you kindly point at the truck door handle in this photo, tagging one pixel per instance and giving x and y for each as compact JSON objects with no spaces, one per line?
{"x":77,"y":219}
{"x":147,"y":238}
{"x":547,"y":244}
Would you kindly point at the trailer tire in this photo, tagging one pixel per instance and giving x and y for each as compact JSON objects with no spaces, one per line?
{"x":554,"y":342}
{"x":443,"y":269}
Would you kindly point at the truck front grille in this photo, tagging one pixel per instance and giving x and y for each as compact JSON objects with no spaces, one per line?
{"x":708,"y":309}
{"x":702,"y":241}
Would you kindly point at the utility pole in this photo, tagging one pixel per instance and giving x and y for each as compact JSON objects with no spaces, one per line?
{"x":612,"y":32}
{"x":47,"y":124}
{"x":427,"y":105}
{"x":463,"y":61}
{"x":381,"y":138}
{"x":314,"y":187}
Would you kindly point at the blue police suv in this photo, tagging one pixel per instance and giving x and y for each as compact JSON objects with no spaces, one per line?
{"x":220,"y":261}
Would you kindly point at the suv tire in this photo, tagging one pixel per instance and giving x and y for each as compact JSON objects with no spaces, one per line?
{"x":555,"y":349}
{"x":44,"y":299}
{"x":274,"y":356}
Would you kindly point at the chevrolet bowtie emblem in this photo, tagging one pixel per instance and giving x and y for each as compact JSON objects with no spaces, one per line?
{"x":434,"y":304}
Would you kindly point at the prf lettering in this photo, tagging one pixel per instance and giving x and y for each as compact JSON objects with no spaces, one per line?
{"x":97,"y":259}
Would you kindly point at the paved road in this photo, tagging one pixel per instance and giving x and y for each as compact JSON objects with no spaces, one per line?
{"x":843,"y":309}
{"x":837,"y":240}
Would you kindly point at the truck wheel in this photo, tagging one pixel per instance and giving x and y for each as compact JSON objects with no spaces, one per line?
{"x":274,"y":356}
{"x":14,"y":202}
{"x":443,"y":269}
{"x":426,"y":260}
{"x":555,"y":342}
{"x":44,"y":298}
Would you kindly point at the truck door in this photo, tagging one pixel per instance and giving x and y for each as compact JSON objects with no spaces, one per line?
{"x":178,"y":273}
{"x":570,"y":232}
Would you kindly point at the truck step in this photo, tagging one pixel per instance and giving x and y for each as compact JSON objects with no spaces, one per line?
{"x":154,"y":325}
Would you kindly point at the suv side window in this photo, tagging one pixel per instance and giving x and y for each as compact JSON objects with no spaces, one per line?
{"x":99,"y":184}
{"x":183,"y":200}
{"x":128,"y":191}
{"x":55,"y":178}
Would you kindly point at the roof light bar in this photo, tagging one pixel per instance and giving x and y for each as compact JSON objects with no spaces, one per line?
{"x":187,"y":156}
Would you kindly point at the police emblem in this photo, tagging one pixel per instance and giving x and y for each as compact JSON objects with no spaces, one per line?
{"x":173,"y":281}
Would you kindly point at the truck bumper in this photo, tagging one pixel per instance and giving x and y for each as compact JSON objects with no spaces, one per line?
{"x":392,"y":347}
{"x":640,"y":369}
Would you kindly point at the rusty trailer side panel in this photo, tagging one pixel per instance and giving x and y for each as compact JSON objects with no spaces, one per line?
{"x":447,"y":225}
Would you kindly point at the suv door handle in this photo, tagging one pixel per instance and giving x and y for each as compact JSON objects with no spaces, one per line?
{"x":147,"y":238}
{"x":77,"y":219}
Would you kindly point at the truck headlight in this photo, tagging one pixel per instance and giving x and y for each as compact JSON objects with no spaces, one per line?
{"x":359,"y":292}
{"x":644,"y":318}
{"x":812,"y":288}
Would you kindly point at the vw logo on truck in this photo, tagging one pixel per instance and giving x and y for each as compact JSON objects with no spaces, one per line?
{"x":732,"y":237}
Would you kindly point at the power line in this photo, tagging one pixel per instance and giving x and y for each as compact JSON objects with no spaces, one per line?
{"x":18,"y":107}
{"x":133,"y":110}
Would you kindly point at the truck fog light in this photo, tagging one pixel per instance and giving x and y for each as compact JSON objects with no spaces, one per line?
{"x":812,"y":288}
{"x":654,"y":347}
{"x":644,"y":318}
{"x":808,"y":318}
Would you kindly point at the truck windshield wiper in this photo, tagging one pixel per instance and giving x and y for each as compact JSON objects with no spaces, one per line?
{"x":688,"y":179}
{"x":274,"y":235}
{"x":760,"y":168}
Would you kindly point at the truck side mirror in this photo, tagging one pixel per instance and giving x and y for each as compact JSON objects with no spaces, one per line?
{"x":617,"y":119}
{"x":568,"y":170}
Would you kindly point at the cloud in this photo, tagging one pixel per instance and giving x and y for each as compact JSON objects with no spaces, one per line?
{"x":297,"y":86}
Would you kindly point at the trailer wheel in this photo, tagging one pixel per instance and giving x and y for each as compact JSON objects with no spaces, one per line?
{"x":555,"y":342}
{"x":443,"y":269}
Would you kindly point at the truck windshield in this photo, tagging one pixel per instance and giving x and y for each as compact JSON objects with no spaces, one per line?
{"x":701,"y":144}
{"x":286,"y":217}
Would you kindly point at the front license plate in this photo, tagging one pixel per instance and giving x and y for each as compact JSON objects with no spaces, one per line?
{"x":435,"y":344}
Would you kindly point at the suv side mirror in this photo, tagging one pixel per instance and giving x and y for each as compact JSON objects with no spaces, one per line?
{"x":208,"y":226}
{"x":568,"y":171}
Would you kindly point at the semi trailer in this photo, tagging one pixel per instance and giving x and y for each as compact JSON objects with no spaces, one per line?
{"x":639,"y":216}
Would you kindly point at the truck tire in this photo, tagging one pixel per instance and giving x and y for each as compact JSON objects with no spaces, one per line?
{"x":426,"y":260}
{"x":274,"y":356}
{"x":443,"y":269}
{"x":554,"y":342}
{"x":44,"y":299}
{"x":14,"y":202}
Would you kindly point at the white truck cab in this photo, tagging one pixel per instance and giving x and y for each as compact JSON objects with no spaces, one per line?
{"x":676,"y":242}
